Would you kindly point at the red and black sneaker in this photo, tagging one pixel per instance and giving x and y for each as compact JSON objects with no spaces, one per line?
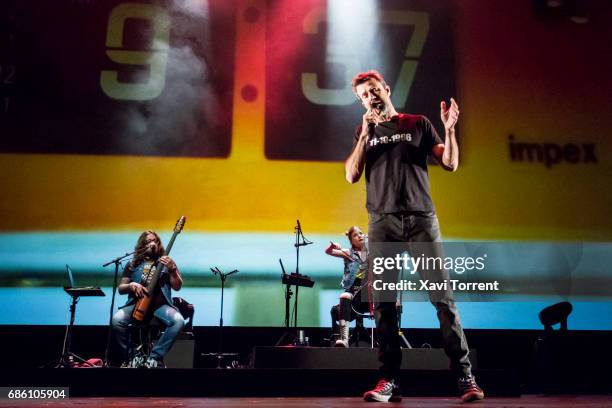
{"x":470,"y":391}
{"x":385,"y":391}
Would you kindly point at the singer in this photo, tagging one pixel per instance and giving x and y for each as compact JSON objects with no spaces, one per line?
{"x":148,"y":251}
{"x":355,"y":269}
{"x":392,"y":148}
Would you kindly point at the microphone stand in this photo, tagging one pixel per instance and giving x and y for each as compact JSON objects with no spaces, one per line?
{"x":298,"y":234}
{"x":289,"y":337}
{"x":220,"y":355}
{"x":117,"y":262}
{"x":399,"y":316}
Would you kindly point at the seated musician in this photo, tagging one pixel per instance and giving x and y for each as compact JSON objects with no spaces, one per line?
{"x":148,"y":251}
{"x":355,"y":269}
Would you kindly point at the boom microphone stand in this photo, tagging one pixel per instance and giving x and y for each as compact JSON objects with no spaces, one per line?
{"x":293,"y":279}
{"x":117,"y":262}
{"x":298,"y":234}
{"x":220,"y":355}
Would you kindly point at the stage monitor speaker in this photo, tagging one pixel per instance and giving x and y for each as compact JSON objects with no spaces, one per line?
{"x":182,"y":352}
{"x":348,"y":358}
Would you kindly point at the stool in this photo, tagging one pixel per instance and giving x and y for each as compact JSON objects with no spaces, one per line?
{"x":147,"y":333}
{"x":360,"y":332}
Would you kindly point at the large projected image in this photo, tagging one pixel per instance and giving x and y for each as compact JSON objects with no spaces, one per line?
{"x":119,"y":78}
{"x":119,"y":117}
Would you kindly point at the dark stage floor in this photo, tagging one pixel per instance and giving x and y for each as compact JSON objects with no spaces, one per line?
{"x":527,"y":401}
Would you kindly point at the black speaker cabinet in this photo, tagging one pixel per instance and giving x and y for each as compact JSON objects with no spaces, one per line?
{"x":182,"y":352}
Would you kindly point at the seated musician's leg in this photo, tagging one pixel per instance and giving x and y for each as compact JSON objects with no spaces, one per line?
{"x":174,"y":322}
{"x":359,"y":306}
{"x":121,"y":331}
{"x":334,"y":317}
{"x":358,"y":309}
{"x":345,"y":317}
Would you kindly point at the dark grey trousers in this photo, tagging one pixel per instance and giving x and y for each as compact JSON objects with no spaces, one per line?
{"x":414,"y":228}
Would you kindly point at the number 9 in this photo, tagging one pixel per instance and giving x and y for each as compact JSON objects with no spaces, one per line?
{"x":156,"y":58}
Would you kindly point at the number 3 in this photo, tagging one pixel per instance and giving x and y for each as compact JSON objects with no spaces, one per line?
{"x":338,"y":54}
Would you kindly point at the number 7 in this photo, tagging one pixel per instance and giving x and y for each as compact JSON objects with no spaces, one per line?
{"x":420,"y":21}
{"x":338,"y":54}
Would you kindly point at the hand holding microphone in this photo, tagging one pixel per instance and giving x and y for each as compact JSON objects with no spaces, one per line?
{"x":371,"y":118}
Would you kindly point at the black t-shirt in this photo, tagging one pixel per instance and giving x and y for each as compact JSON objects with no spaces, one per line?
{"x":396,"y":164}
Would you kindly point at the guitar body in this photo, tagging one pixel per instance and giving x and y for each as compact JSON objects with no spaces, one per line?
{"x":142,"y":307}
{"x":143,"y":310}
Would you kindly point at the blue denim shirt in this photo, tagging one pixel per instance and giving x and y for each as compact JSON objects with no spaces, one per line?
{"x":352,"y":268}
{"x":135,"y":275}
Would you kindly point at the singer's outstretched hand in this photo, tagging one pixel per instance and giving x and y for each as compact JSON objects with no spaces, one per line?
{"x":449,"y":115}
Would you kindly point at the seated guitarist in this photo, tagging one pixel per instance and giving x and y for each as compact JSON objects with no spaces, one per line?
{"x":355,"y":269}
{"x":148,"y":251}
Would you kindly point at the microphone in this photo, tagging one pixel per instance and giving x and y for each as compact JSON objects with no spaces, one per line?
{"x":378,"y":105}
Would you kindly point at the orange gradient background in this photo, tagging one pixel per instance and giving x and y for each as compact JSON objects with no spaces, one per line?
{"x":543,"y":81}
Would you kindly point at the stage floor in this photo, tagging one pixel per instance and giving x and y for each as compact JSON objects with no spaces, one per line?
{"x":527,"y":401}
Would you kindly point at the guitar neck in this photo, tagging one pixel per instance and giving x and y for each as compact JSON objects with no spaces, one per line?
{"x":159,"y":267}
{"x":171,"y":242}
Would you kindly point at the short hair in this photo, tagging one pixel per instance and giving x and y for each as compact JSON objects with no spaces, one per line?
{"x":362,"y":77}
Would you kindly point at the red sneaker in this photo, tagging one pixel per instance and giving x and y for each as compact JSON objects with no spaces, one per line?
{"x":470,"y":391}
{"x":385,"y":391}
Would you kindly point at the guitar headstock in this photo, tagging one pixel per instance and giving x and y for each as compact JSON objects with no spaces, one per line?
{"x":180,"y":224}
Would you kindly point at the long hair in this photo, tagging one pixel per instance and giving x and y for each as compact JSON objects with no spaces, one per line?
{"x":141,"y":245}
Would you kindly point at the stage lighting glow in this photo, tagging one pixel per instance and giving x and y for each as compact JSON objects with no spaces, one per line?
{"x":196,"y":8}
{"x":352,"y":26}
{"x":351,"y":29}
